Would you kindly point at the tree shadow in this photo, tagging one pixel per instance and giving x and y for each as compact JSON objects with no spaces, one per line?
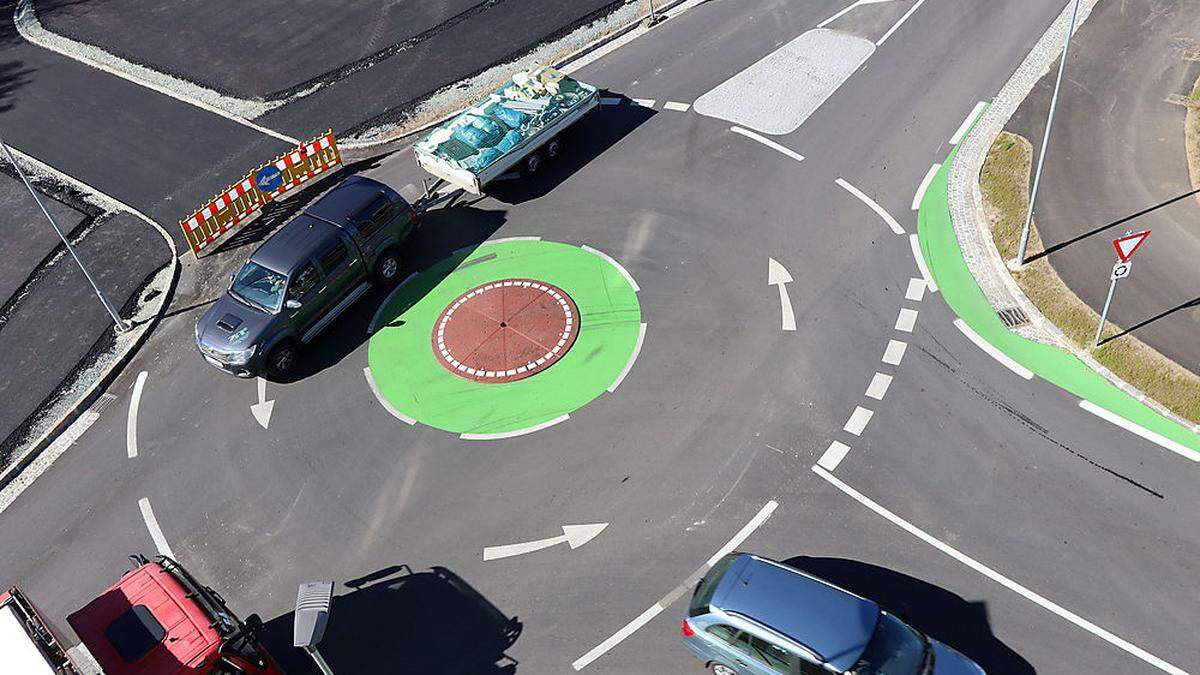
{"x":585,"y":141}
{"x":397,"y":620}
{"x":13,"y":76}
{"x":446,"y":236}
{"x":1161,"y":315}
{"x":1061,"y":245}
{"x":933,"y":610}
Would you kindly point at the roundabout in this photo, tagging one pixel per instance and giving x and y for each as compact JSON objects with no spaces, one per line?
{"x":506,"y":338}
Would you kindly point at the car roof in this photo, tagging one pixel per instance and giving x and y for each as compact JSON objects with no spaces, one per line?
{"x":348,"y":198}
{"x":832,"y":622}
{"x":293,"y":244}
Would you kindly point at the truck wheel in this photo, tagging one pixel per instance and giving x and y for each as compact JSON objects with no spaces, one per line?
{"x":533,"y":163}
{"x":282,"y":359}
{"x":387,"y":269}
{"x":553,"y":148}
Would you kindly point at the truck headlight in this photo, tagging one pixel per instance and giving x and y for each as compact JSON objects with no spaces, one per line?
{"x":241,"y":358}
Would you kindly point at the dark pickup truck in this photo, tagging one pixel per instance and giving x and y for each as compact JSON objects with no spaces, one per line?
{"x":305,"y":275}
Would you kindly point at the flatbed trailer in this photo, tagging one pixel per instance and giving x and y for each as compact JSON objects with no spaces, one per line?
{"x":27,"y":644}
{"x":511,"y":129}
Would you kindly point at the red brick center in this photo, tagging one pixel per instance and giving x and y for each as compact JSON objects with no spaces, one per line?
{"x":505,"y":330}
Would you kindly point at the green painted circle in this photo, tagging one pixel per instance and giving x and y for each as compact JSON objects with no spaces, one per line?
{"x":410,"y":378}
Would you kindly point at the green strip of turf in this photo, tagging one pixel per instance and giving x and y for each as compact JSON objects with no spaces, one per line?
{"x":942,"y":254}
{"x":410,"y":377}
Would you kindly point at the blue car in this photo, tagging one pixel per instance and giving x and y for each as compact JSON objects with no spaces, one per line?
{"x":753,"y":616}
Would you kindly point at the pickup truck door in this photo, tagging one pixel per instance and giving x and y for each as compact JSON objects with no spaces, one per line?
{"x":305,"y":286}
{"x":342,"y":267}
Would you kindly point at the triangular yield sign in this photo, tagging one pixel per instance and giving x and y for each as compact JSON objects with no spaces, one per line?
{"x":1127,"y":245}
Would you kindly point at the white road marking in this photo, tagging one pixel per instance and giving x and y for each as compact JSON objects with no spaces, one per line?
{"x":514,"y":434}
{"x":262,"y":409}
{"x":995,"y":576}
{"x":879,"y":386}
{"x":915,"y":244}
{"x":676,"y":106}
{"x":777,"y":275}
{"x":887,"y":217}
{"x":612,"y":261}
{"x":131,"y":423}
{"x":992,"y":351}
{"x":160,"y":542}
{"x":1139,"y":430}
{"x":677,"y":592}
{"x":906,"y":320}
{"x":894,"y":352}
{"x":501,"y":240}
{"x":768,"y":142}
{"x":833,"y":455}
{"x":387,"y":301}
{"x":966,"y":125}
{"x":858,"y":420}
{"x":611,"y":100}
{"x":644,"y":102}
{"x":573,"y":535}
{"x":912,"y":10}
{"x":852,"y":5}
{"x":384,"y":402}
{"x":916,"y":290}
{"x":916,"y":203}
{"x":637,"y":349}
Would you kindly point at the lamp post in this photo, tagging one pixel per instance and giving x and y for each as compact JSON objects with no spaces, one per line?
{"x":1037,"y":177}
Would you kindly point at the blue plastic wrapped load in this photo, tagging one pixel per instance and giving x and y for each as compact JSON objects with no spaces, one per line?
{"x":513,"y":118}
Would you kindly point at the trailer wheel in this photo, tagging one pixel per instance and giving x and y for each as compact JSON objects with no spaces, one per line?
{"x":533,"y":163}
{"x":553,"y":148}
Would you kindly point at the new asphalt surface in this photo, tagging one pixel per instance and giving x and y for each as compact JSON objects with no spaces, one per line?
{"x":1117,"y":163}
{"x":722,"y":414}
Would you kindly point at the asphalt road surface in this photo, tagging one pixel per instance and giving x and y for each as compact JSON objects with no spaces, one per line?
{"x":991,"y":510}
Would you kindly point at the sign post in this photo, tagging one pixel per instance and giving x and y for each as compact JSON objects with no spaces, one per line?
{"x":1126,"y":246}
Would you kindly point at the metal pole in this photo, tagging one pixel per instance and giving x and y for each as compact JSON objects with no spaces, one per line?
{"x":319,"y":660}
{"x":654,"y":18}
{"x":1104,"y":315}
{"x":121,"y":327}
{"x":1037,"y":177}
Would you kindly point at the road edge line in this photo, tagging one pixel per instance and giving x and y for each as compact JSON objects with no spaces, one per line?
{"x":135,"y":400}
{"x":1139,"y":430}
{"x":637,"y":349}
{"x":767,"y":142}
{"x":612,"y":261}
{"x":915,"y":243}
{"x":501,"y":435}
{"x":872,"y":204}
{"x":383,"y":401}
{"x":1004,"y":359}
{"x":156,"y":533}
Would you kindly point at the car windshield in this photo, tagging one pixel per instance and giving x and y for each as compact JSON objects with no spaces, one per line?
{"x":259,"y":286}
{"x":894,"y":649}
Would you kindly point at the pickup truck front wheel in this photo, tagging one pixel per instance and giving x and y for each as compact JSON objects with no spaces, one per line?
{"x":387,"y":268}
{"x":282,"y":359}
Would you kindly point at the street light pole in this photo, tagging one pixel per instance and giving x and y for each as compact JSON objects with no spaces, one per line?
{"x":1037,"y":178}
{"x":654,"y":18}
{"x":121,"y":327}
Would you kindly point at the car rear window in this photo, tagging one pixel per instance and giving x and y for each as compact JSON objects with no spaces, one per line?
{"x":708,"y":586}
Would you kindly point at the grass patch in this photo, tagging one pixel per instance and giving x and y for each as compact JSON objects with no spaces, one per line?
{"x":1004,"y":182}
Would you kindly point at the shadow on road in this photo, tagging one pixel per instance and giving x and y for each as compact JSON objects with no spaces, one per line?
{"x":397,"y":620}
{"x":1195,"y":302}
{"x":585,"y":141}
{"x":1061,"y":245}
{"x":460,"y":227}
{"x":931,"y":609}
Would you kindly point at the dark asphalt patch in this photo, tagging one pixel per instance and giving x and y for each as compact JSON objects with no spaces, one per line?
{"x":28,"y":238}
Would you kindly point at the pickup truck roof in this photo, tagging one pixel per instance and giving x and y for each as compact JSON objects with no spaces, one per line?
{"x":349,"y":197}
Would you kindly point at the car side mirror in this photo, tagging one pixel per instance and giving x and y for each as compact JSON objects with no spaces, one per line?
{"x":292,"y":304}
{"x":254,"y":623}
{"x":232,"y":276}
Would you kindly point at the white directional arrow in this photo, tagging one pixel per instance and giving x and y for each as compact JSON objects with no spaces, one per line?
{"x":262,"y":409}
{"x":777,"y":276}
{"x":573,"y":535}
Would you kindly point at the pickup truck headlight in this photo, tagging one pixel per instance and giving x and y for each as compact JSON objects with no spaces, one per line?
{"x":241,"y":358}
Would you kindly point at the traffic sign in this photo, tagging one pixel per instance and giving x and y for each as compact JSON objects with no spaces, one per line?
{"x":1127,"y":245}
{"x":1121,"y":270}
{"x":269,"y":178}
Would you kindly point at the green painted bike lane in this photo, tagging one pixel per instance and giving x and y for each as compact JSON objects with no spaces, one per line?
{"x":939,"y":246}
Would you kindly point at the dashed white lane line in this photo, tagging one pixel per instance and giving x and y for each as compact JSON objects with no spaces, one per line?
{"x":1140,"y":431}
{"x":383,"y":401}
{"x":612,"y":261}
{"x":644,"y":102}
{"x":915,"y":244}
{"x":160,"y":541}
{"x":611,"y":100}
{"x":894,"y":353}
{"x":1000,"y":356}
{"x":916,"y":290}
{"x":916,"y":203}
{"x":966,"y":125}
{"x":676,"y":106}
{"x":513,"y":434}
{"x":906,"y":320}
{"x":644,"y":618}
{"x":637,"y":349}
{"x":887,"y":217}
{"x":135,"y":400}
{"x":858,"y":420}
{"x":879,"y":386}
{"x":768,"y":142}
{"x":849,"y":7}
{"x":833,"y":455}
{"x":995,"y":576}
{"x":896,"y":26}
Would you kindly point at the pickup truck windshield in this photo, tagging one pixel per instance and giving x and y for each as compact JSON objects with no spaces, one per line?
{"x":894,"y":649}
{"x":259,"y":286}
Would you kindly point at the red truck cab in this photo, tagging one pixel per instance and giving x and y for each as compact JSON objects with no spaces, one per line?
{"x":158,"y":620}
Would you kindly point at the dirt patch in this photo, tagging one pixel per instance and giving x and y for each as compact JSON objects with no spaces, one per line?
{"x":1004,"y":181}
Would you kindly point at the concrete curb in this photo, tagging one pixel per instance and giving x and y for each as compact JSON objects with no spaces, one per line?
{"x":970,"y":226}
{"x":91,"y":380}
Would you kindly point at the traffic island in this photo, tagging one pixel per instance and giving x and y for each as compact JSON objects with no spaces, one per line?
{"x":506,"y":338}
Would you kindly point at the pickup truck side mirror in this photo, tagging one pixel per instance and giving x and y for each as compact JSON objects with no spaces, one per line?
{"x":232,"y":276}
{"x":292,"y":304}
